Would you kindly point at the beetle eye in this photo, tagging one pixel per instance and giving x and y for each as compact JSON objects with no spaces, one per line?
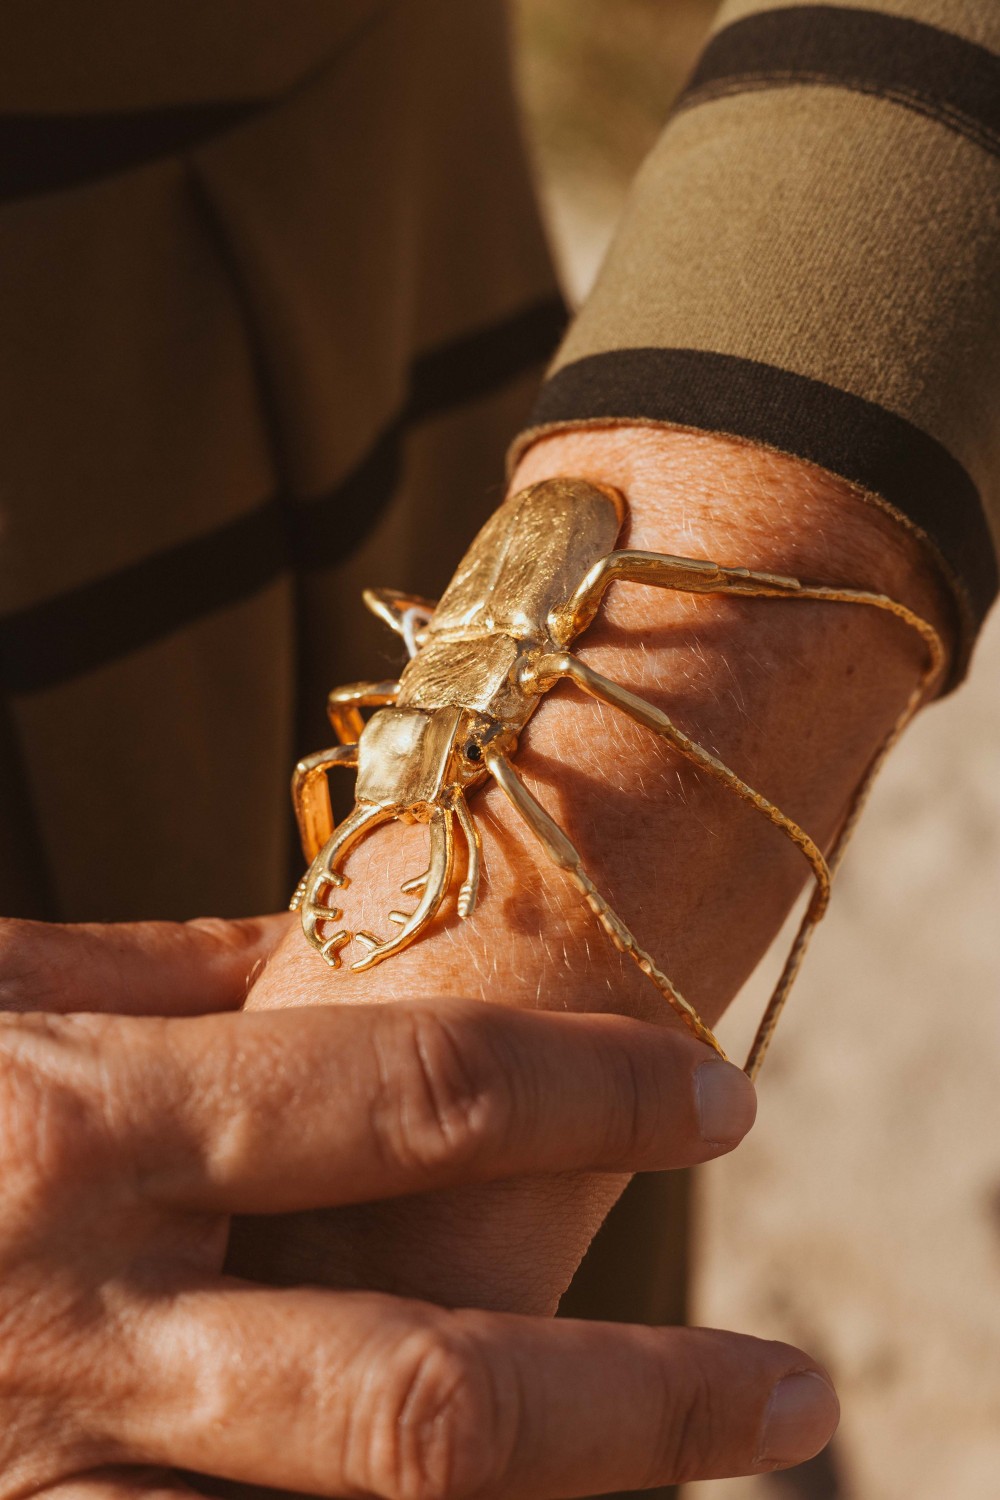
{"x":473,"y":751}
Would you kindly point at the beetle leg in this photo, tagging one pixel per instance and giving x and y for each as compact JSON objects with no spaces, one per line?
{"x":343,"y":706}
{"x":474,"y":845}
{"x":442,"y":841}
{"x":700,"y":576}
{"x":393,"y":607}
{"x":660,"y":570}
{"x":311,"y":797}
{"x":563,"y":853}
{"x":547,"y":670}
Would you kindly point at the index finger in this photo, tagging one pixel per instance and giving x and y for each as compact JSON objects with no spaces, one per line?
{"x":274,"y":1112}
{"x":133,"y":968}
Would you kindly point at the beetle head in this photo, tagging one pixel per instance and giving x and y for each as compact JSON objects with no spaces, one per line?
{"x":413,"y":764}
{"x":410,"y":758}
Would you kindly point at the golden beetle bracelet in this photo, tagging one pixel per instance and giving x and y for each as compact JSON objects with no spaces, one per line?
{"x":480,"y":661}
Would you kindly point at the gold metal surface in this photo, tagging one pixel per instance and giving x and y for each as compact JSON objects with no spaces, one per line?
{"x":481,"y":660}
{"x":344,"y":706}
{"x":311,"y":795}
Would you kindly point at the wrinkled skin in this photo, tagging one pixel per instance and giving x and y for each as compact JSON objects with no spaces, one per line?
{"x":126,"y":1140}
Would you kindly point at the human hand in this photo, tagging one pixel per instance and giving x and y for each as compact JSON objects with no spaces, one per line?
{"x":796,"y":697}
{"x":125,"y":1141}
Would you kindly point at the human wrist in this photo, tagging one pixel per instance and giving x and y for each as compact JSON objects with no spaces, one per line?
{"x":749,"y":506}
{"x":794,"y":696}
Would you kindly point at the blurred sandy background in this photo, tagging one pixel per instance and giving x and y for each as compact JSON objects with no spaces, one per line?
{"x":862,"y":1217}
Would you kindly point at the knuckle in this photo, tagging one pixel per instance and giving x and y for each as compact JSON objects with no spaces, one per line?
{"x":26,"y":965}
{"x":446,"y":1094}
{"x":632,"y":1116}
{"x":52,"y":1124}
{"x":693,"y":1439}
{"x":436,"y":1431}
{"x":232,"y":948}
{"x":644,"y":1114}
{"x":219,"y":933}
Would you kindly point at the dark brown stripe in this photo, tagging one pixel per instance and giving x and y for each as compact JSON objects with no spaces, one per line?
{"x":47,"y":153}
{"x":325,"y":531}
{"x":26,"y":886}
{"x":94,"y":624}
{"x":99,"y":622}
{"x":42,"y":153}
{"x":476,"y":364}
{"x":841,"y":432}
{"x":937,"y":74}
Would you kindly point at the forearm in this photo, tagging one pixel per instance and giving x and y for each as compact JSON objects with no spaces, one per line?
{"x":795,"y":696}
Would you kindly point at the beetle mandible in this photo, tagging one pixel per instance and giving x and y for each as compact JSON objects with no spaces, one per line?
{"x":530,"y":583}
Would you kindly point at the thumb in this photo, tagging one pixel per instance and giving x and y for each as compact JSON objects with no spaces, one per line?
{"x":134,"y":968}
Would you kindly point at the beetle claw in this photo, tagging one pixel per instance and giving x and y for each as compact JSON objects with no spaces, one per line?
{"x":323,"y":882}
{"x":330,"y":950}
{"x":323,"y":913}
{"x":434,"y":885}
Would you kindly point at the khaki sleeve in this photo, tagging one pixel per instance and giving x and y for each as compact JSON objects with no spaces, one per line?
{"x":810,"y":261}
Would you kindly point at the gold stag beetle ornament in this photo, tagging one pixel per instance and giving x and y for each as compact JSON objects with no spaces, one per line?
{"x":481,"y":660}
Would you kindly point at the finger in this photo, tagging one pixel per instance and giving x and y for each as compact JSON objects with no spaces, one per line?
{"x":119,"y":1484}
{"x":134,"y":968}
{"x":358,"y":1394}
{"x":278,"y":1111}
